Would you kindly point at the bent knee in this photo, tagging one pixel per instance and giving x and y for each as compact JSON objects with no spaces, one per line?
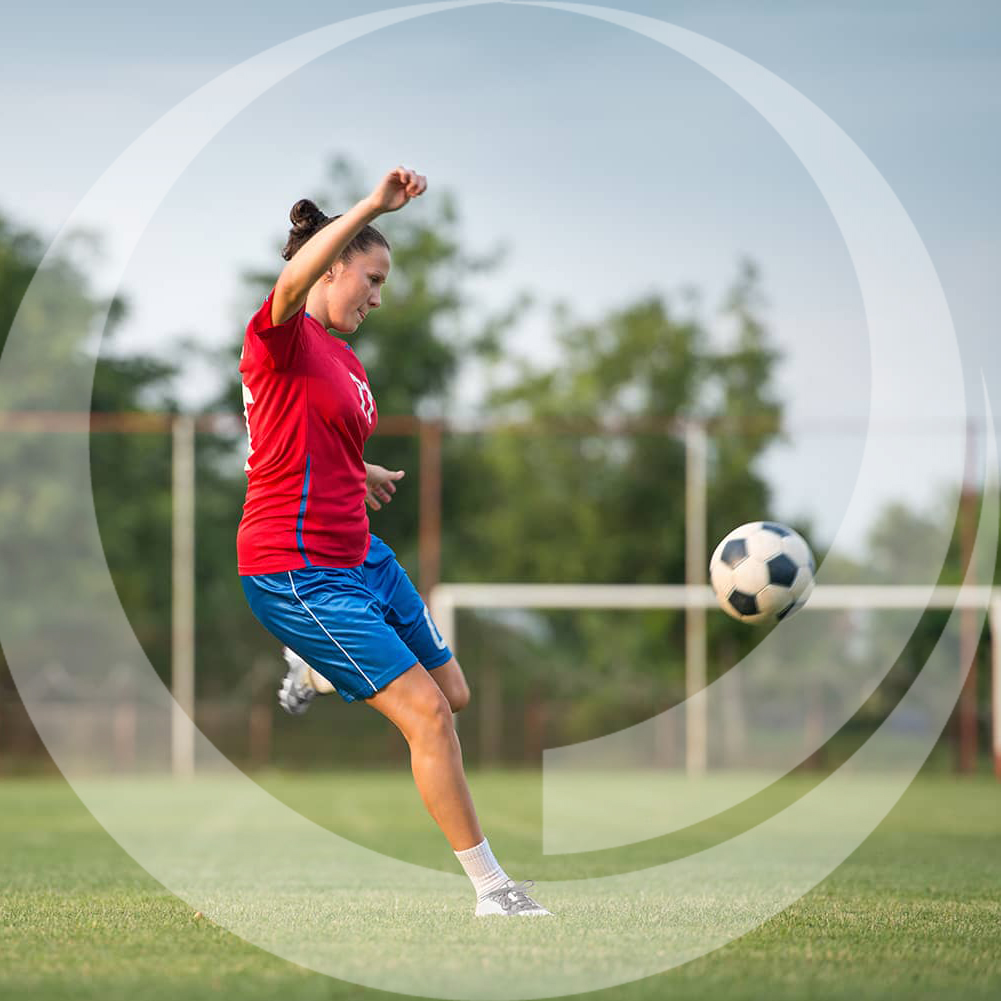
{"x":433,"y":712}
{"x":458,"y":697}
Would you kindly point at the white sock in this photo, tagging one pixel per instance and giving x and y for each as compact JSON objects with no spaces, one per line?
{"x":482,"y":868}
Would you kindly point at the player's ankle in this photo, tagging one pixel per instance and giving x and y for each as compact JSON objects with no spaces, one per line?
{"x":319,"y":683}
{"x":483,"y":870}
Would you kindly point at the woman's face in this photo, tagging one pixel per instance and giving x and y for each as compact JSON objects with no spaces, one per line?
{"x":354,"y":287}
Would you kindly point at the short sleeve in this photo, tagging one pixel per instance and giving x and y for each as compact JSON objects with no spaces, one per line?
{"x":280,"y":343}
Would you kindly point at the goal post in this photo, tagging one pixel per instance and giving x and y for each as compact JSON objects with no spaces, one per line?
{"x":446,"y":599}
{"x":994,"y":623}
{"x":182,"y":606}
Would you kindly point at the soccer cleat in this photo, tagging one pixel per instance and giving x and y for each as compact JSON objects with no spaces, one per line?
{"x":511,"y":899}
{"x":297,"y":690}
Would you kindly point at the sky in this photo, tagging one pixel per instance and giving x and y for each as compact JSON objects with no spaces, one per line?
{"x":609,"y":166}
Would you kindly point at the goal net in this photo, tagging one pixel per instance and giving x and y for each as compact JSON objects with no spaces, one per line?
{"x":837,"y":686}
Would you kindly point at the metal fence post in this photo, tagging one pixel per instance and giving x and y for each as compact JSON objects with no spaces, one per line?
{"x":182,"y":647}
{"x":696,"y":723}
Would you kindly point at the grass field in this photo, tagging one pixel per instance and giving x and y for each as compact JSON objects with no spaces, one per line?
{"x":915,"y":913}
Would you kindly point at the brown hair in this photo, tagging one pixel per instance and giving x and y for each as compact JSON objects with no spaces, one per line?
{"x":307,"y":220}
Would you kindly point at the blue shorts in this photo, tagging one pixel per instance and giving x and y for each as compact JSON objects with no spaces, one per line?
{"x":359,"y":627}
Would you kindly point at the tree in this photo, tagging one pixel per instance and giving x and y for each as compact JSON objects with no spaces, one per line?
{"x":129,"y":475}
{"x":588,"y":506}
{"x":131,"y":484}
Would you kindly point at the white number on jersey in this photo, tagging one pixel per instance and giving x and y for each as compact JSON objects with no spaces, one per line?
{"x":247,"y":400}
{"x":365,"y":398}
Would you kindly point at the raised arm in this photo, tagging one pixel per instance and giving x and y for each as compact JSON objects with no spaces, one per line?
{"x":321,"y":251}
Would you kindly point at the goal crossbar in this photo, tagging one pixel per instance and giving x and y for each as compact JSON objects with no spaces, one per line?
{"x":681,"y":596}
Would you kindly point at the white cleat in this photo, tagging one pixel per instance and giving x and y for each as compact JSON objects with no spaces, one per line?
{"x":510,"y":900}
{"x":297,"y":689}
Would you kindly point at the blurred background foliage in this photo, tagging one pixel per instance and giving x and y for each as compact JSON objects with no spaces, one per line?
{"x":567,"y":504}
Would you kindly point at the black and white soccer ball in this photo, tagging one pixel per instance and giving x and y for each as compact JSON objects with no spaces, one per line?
{"x":762,"y":572}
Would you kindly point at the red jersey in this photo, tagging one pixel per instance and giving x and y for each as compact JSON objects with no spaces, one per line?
{"x":309,"y":411}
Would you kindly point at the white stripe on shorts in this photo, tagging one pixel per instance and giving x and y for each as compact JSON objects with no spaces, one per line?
{"x":329,"y":637}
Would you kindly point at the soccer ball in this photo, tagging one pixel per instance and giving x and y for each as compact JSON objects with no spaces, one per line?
{"x":762,"y":572}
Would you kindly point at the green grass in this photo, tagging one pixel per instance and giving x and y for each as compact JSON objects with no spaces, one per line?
{"x":914,"y":913}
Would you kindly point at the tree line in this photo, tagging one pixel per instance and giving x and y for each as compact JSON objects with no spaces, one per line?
{"x":564,"y":505}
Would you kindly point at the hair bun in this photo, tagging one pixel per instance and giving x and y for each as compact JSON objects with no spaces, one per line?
{"x":307,"y":220}
{"x":306,"y":215}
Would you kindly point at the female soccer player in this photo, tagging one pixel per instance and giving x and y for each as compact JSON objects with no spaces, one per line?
{"x":313,"y":575}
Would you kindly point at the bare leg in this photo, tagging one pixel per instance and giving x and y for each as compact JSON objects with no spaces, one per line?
{"x":450,"y":679}
{"x":419,"y":709}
